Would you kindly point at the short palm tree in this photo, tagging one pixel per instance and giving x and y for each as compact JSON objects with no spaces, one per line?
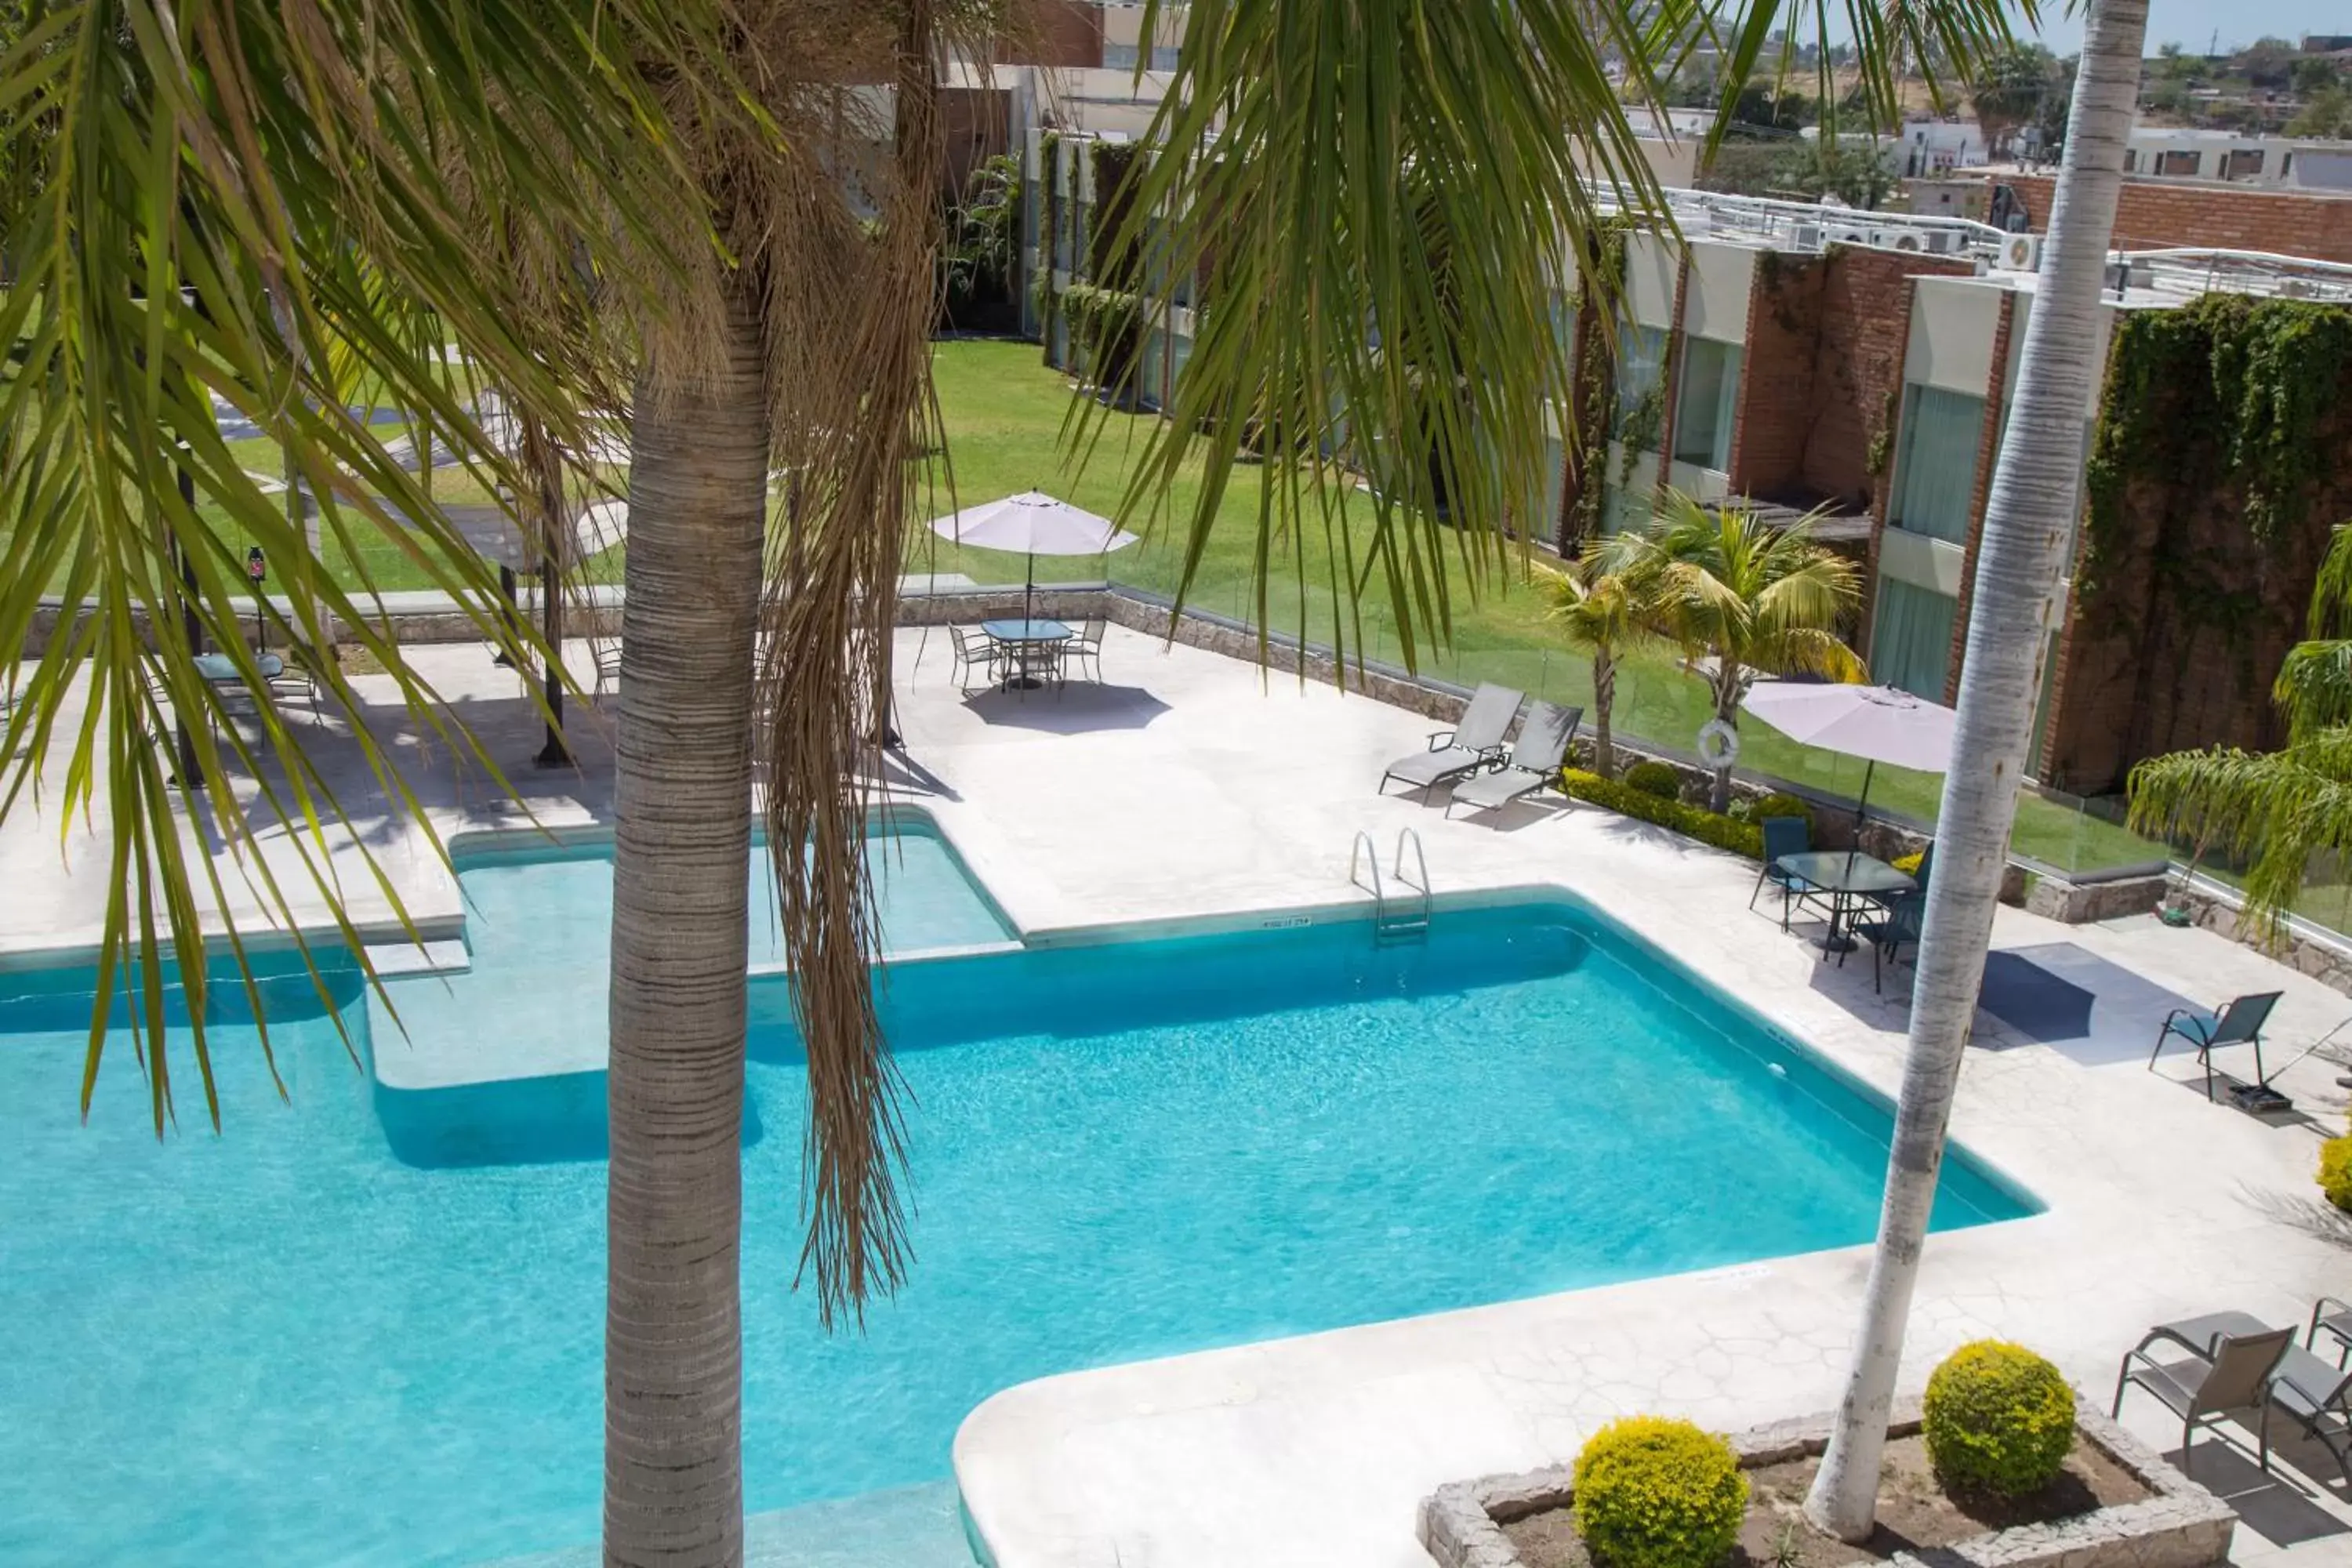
{"x":1750,"y":598}
{"x":2277,"y":809}
{"x":1602,"y":606}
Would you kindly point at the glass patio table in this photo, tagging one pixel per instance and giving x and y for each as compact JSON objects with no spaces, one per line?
{"x":1032,"y":645}
{"x":1851,"y":879}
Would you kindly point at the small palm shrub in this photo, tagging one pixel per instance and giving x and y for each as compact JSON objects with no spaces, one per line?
{"x":2336,"y":1171}
{"x":1999,"y":1420}
{"x":1656,"y":1493}
{"x":1660,"y":779}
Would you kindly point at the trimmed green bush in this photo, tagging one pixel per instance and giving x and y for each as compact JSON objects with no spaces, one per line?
{"x":1999,"y":1420}
{"x":1779,"y":804}
{"x":2336,"y":1171}
{"x":1695,"y":821}
{"x":1660,"y":779}
{"x":1656,"y":1493}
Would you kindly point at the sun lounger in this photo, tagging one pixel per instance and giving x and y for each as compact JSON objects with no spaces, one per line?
{"x":1535,"y":761}
{"x":1477,"y":740}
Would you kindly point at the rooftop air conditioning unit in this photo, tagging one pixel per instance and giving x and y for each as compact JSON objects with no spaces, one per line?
{"x":1809,"y":237}
{"x":2019,"y":253}
{"x":1909,"y":239}
{"x":1845,"y":235}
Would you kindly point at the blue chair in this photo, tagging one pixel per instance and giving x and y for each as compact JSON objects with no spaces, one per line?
{"x":2239,"y":1024}
{"x":1901,"y":918}
{"x":1783,"y":835}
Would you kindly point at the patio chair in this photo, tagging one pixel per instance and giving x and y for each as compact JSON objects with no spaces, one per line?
{"x":2333,"y":1318}
{"x":1899,"y":921}
{"x":2240,"y":1023}
{"x":974,"y":648}
{"x":1535,"y":761}
{"x":1472,"y":743}
{"x":2317,"y":1397}
{"x":1783,"y":835}
{"x":1086,"y":649}
{"x":2228,"y":1372}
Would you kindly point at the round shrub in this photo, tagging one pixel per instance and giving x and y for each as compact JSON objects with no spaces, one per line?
{"x":1655,"y":1493}
{"x":1778,"y":804}
{"x":2336,"y":1171}
{"x":1999,"y":1420}
{"x":1659,"y":779}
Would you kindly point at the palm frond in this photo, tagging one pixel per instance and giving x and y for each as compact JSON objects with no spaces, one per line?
{"x":2279,"y":809}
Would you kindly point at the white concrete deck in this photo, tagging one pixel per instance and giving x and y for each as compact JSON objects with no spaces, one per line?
{"x":1193,"y":785}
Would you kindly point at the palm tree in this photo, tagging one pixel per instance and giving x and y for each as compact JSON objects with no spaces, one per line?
{"x":2277,"y":809}
{"x":2029,"y":524}
{"x":646,"y":212}
{"x":1750,"y":598}
{"x":1602,"y":606}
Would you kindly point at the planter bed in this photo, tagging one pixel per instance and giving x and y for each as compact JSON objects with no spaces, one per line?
{"x":2117,"y":1505}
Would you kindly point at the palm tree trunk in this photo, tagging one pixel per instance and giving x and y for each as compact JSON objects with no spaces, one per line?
{"x":682,"y":807}
{"x":2029,"y":524}
{"x":1727,"y":709}
{"x":1604,"y":697}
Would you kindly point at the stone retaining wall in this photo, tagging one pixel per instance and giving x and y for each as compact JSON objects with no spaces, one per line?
{"x":2181,"y":1526}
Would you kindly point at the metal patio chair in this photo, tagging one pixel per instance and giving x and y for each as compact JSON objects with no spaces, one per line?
{"x":2224,"y":1373}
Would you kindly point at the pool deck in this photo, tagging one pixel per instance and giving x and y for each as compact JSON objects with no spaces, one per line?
{"x":1192,"y":787}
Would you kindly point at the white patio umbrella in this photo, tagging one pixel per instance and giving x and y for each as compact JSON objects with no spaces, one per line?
{"x":1876,"y":723}
{"x":1034,"y":524}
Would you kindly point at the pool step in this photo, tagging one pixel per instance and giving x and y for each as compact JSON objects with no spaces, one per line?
{"x":444,"y":955}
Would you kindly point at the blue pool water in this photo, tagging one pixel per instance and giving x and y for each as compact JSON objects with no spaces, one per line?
{"x":291,"y":1345}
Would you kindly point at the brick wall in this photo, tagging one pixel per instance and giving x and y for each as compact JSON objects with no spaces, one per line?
{"x":2153,"y":215}
{"x":1775,"y":415}
{"x":1052,"y":33}
{"x":1865,"y":323}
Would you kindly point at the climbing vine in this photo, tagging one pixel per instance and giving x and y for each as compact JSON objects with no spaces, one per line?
{"x":1643,"y":427}
{"x":1049,"y":211}
{"x":1596,"y":373}
{"x":1876,"y":456}
{"x":2229,"y":398}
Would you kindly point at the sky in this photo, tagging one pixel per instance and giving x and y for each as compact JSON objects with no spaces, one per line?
{"x":2192,"y":23}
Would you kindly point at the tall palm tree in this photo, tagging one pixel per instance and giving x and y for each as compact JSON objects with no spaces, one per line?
{"x":2276,"y":809}
{"x":247,"y":201}
{"x":1750,"y":598}
{"x":1601,"y":605}
{"x":2029,"y":524}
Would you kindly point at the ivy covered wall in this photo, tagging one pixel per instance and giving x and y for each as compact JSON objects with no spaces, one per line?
{"x":2221,"y":458}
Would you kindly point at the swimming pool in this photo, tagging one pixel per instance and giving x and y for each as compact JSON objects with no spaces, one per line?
{"x":291,"y":1345}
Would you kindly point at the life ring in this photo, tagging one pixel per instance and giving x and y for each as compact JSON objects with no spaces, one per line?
{"x":1719,"y":744}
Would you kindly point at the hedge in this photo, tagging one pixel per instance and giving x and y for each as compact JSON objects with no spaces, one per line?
{"x":1693,"y":821}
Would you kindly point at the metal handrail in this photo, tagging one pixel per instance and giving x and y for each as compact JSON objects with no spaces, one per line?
{"x":1364,"y":846}
{"x":1407,"y":836}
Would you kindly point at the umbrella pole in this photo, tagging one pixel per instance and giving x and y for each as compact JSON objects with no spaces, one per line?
{"x":1028,"y":590}
{"x":1861,"y":811}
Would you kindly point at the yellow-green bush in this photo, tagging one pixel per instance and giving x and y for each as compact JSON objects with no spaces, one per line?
{"x":1999,"y":1419}
{"x":1779,"y":804}
{"x":1657,"y":1493}
{"x":1660,"y":779}
{"x":1706,"y":827}
{"x":2336,"y":1171}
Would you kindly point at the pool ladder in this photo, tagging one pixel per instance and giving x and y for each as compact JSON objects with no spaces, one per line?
{"x":1405,"y":919}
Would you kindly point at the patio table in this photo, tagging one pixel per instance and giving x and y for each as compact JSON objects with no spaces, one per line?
{"x":1031,"y":643}
{"x":1851,"y":879}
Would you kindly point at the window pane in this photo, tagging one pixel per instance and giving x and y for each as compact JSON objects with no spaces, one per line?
{"x":1119,"y":57}
{"x":1935,"y":463}
{"x":1164,"y":59}
{"x":1703,"y":406}
{"x":1640,"y":369}
{"x":1911,"y":639}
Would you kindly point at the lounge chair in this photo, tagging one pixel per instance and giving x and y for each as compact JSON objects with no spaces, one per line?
{"x":2223,"y":1370}
{"x":1783,"y":835}
{"x":1535,"y":761}
{"x":2240,"y":1023}
{"x":1474,"y":743}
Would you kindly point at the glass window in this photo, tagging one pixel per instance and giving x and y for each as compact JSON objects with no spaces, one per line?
{"x":1706,"y":404}
{"x":1180,"y":349}
{"x":1155,"y":365}
{"x":1120,"y":57}
{"x":1164,"y":59}
{"x":1082,"y":218}
{"x":1641,"y":370}
{"x":2186,"y":163}
{"x":2242,"y":163}
{"x":1061,"y":344}
{"x":1911,"y":639}
{"x":1623,"y":511}
{"x":1064,"y":233}
{"x":1563,"y":327}
{"x":1935,"y":462}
